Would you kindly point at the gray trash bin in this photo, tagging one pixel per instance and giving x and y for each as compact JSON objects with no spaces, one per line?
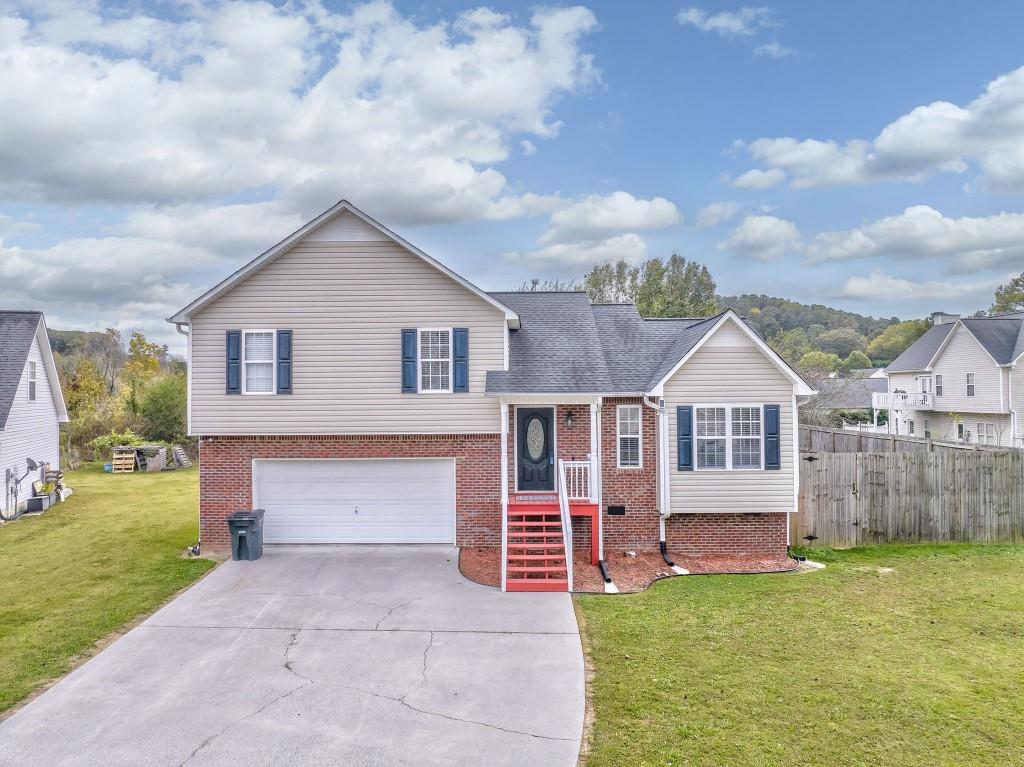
{"x":246,"y":528}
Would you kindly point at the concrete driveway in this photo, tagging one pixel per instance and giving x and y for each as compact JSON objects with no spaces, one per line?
{"x":337,"y":655}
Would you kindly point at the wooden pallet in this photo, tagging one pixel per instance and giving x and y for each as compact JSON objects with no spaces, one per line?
{"x":124,"y":461}
{"x":180,"y":457}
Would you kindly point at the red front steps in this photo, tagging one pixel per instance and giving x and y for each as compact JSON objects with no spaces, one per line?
{"x":535,"y":549}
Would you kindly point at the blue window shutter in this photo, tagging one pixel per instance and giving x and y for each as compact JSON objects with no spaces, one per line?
{"x":460,"y":358}
{"x":284,"y":362}
{"x":684,"y":438}
{"x":772,"y":433}
{"x":409,"y":360}
{"x":233,"y":357}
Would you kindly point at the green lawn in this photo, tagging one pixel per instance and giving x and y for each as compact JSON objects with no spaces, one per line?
{"x":923,"y":665}
{"x":88,"y":566}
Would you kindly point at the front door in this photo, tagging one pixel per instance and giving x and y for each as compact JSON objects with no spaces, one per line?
{"x":535,"y":451}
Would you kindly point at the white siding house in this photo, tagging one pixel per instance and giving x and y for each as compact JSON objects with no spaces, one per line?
{"x":961,"y":381}
{"x":31,"y":403}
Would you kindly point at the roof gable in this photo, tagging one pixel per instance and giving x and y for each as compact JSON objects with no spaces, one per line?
{"x":801,"y":387}
{"x":327,"y":225}
{"x":18,"y":329}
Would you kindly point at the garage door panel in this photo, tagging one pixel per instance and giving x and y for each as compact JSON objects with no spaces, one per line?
{"x":356,"y":501}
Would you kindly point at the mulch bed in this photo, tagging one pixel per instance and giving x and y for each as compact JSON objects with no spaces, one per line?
{"x":629,"y":573}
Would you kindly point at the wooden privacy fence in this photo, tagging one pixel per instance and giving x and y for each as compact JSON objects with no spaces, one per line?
{"x":858,"y":499}
{"x":821,"y":439}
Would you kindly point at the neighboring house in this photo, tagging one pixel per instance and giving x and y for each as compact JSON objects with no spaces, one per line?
{"x":852,"y":392}
{"x":961,"y":381}
{"x":31,"y":402}
{"x":361,"y":392}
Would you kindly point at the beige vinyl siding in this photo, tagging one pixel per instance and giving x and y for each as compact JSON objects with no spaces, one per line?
{"x":906,"y":382}
{"x":963,"y":354}
{"x":346,"y":303}
{"x":730,"y":370}
{"x":32,"y":429}
{"x":943,"y":425}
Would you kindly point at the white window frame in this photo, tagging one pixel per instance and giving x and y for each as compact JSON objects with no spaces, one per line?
{"x":273,"y":362}
{"x":986,"y":433}
{"x":926,"y":384}
{"x":420,"y":360}
{"x":938,"y":384}
{"x":971,"y":387}
{"x":961,"y":432}
{"x":639,"y":436}
{"x":32,"y":381}
{"x":927,"y":429}
{"x":728,"y":435}
{"x":910,"y":427}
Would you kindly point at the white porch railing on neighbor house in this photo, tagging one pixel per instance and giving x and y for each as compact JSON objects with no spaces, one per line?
{"x":901,"y":401}
{"x":563,"y":507}
{"x":867,"y":428}
{"x":578,"y":480}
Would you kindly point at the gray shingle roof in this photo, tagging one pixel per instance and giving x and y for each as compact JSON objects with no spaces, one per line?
{"x":1002,"y":337}
{"x":917,"y":356}
{"x":849,"y":393}
{"x":16,"y":332}
{"x":998,"y":335}
{"x":566,"y":344}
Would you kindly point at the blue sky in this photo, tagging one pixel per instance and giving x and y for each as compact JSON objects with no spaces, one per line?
{"x":868,"y":156}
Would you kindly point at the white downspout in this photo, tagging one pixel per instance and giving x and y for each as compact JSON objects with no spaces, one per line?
{"x":504,"y":493}
{"x":596,"y":477}
{"x":1009,"y":402}
{"x":664,"y":500}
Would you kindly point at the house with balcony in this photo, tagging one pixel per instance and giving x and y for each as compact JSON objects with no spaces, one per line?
{"x":962,"y":381}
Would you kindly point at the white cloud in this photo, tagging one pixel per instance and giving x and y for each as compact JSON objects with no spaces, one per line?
{"x":759,"y":179}
{"x":933,"y":138}
{"x":407,"y":118}
{"x":763,"y":237}
{"x":599,"y":216}
{"x":630,"y":247}
{"x":774,"y":50}
{"x":12,"y":225}
{"x":528,"y":147}
{"x":880,"y":285}
{"x":924,"y":234}
{"x":741,"y":23}
{"x":717,"y":213}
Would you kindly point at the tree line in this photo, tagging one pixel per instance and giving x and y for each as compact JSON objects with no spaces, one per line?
{"x":818,"y":340}
{"x":118,"y":390}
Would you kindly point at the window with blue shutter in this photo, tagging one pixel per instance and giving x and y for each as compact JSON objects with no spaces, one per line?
{"x":284,"y":362}
{"x":233,"y":357}
{"x":409,"y":360}
{"x":460,"y":359}
{"x":684,"y":438}
{"x":772,"y":438}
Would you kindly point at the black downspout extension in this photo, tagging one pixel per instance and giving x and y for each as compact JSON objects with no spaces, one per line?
{"x":664,"y":553}
{"x":604,"y":571}
{"x":794,"y":557}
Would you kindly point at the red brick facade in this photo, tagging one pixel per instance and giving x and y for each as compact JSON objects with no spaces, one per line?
{"x":226,"y":484}
{"x":225,"y":475}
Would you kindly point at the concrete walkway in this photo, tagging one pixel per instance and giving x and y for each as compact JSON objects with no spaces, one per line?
{"x":339,"y":655}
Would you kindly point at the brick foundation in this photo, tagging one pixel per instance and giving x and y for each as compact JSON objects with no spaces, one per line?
{"x":225,"y":475}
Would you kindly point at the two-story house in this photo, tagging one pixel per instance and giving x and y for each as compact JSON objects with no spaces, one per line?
{"x":361,"y":392}
{"x":960,"y":381}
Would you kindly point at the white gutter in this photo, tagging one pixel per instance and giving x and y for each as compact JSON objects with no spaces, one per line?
{"x":1014,"y":418}
{"x":664,"y":500}
{"x":597,"y":479}
{"x":188,"y":373}
{"x":504,"y":493}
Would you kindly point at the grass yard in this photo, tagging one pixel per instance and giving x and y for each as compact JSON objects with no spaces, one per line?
{"x":853,"y":665}
{"x":88,"y":566}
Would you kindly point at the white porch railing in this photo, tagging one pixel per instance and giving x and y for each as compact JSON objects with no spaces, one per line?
{"x":578,"y":480}
{"x":901,"y":401}
{"x":563,"y":507}
{"x":867,"y":428}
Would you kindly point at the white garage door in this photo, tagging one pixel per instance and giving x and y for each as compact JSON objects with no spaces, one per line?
{"x":388,"y":500}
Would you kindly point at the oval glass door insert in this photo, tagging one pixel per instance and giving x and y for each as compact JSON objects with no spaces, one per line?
{"x":535,"y":439}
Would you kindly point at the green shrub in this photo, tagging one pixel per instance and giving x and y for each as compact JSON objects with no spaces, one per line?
{"x":104,"y":444}
{"x":163,"y":407}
